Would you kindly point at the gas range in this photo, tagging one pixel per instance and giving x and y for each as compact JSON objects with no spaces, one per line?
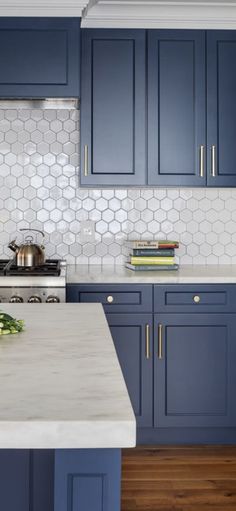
{"x":46,"y":283}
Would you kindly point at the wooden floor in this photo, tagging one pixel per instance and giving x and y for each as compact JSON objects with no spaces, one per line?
{"x":179,"y":479}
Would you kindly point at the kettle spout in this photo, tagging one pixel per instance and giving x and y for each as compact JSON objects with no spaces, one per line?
{"x":13,"y":246}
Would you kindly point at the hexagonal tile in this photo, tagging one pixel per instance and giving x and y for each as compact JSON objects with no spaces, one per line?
{"x":101,"y":204}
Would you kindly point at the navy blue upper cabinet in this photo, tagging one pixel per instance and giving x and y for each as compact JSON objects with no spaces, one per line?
{"x":221,"y":91}
{"x":195,"y":370}
{"x":40,"y":57}
{"x":176,"y":107}
{"x":113,"y":131}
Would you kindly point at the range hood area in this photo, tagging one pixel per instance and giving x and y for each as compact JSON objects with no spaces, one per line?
{"x":189,"y":14}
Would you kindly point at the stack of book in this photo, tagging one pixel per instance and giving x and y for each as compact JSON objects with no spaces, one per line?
{"x":152,"y":255}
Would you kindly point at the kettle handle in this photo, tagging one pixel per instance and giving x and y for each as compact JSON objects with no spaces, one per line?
{"x":36,"y":230}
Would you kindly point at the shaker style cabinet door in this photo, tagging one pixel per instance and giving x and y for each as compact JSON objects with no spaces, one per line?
{"x":113,"y":113}
{"x":132,"y":336}
{"x":221,"y":101}
{"x":40,"y":57}
{"x":176,"y":108}
{"x":194,"y":373}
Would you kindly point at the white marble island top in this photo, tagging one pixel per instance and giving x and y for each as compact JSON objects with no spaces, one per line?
{"x":187,"y":274}
{"x":61,"y":385}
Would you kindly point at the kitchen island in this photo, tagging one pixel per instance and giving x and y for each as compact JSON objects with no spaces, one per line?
{"x":63,"y":396}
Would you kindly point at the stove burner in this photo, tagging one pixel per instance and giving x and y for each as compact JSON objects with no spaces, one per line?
{"x":51,"y":267}
{"x":3,"y":263}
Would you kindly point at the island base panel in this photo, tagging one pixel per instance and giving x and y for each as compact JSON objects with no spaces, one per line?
{"x":87,"y":480}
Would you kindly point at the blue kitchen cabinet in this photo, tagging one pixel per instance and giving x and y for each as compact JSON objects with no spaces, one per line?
{"x":176,"y":108}
{"x":132,"y":336}
{"x":194,"y":366}
{"x":40,"y":57}
{"x":113,"y":108}
{"x":14,"y":479}
{"x":221,"y":109}
{"x":114,"y":297}
{"x":87,"y":480}
{"x":26,"y":480}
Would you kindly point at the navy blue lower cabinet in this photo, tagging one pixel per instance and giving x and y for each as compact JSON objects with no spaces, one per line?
{"x":194,"y":370}
{"x":132,"y":336}
{"x":113,"y":107}
{"x":176,"y":108}
{"x":114,"y":297}
{"x":40,"y":57}
{"x":87,"y":480}
{"x":14,"y":480}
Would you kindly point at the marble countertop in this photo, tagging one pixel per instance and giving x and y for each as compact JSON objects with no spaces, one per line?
{"x":211,"y":274}
{"x":60,"y":380}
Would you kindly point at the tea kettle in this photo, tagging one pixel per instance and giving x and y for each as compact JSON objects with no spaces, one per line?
{"x":28,"y":254}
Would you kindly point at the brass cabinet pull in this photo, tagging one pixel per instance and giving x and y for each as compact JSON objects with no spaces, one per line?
{"x":196,"y":299}
{"x":160,"y":328}
{"x":147,"y":344}
{"x":201,"y":170}
{"x":213,"y":161}
{"x":110,"y":299}
{"x":85,"y":160}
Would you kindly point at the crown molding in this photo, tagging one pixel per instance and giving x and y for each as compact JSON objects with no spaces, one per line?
{"x":74,"y":8}
{"x":160,"y":14}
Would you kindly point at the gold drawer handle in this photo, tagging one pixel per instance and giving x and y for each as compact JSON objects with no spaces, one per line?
{"x":160,"y":354}
{"x":201,"y":170}
{"x":213,"y":161}
{"x":147,"y":342}
{"x":110,"y":299}
{"x":196,"y":299}
{"x":85,"y":160}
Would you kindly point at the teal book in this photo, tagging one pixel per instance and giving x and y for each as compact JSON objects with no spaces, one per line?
{"x":152,"y":252}
{"x":152,"y":267}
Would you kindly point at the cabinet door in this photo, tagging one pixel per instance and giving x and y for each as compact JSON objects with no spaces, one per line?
{"x":40,"y":57}
{"x":221,"y":111}
{"x":176,"y":108}
{"x":134,"y":350}
{"x":194,"y":373}
{"x":14,"y":479}
{"x":113,"y":107}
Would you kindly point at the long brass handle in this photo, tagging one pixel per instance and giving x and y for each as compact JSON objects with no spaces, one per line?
{"x":213,"y":161}
{"x":85,"y":160}
{"x":160,"y":328}
{"x":201,"y":170}
{"x":147,"y":347}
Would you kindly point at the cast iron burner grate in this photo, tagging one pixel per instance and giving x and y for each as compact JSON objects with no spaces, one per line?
{"x":51,"y":267}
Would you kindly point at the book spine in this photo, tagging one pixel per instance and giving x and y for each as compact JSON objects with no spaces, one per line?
{"x":152,"y":267}
{"x":153,"y":244}
{"x":153,"y":252}
{"x":151,"y":260}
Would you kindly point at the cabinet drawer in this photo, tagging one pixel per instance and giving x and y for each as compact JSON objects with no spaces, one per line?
{"x":114,"y":298}
{"x":189,"y":298}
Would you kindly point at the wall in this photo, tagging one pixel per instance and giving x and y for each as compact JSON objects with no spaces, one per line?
{"x":39,"y":188}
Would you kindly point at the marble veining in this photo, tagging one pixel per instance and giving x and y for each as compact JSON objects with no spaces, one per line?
{"x":188,"y":274}
{"x":61,"y":383}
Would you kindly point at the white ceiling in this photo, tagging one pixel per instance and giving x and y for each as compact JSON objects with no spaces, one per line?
{"x":131,"y":13}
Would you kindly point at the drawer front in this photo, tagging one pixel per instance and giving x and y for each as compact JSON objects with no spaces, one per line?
{"x":114,"y":298}
{"x":194,"y":297}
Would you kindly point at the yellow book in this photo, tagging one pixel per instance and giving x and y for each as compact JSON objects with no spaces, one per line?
{"x":151,"y":260}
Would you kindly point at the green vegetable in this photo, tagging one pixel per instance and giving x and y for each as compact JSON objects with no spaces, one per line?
{"x":10,"y":325}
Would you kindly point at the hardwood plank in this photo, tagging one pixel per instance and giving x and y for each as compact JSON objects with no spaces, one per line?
{"x":176,"y":478}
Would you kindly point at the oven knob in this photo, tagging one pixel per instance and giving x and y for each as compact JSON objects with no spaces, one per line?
{"x":35,"y":299}
{"x":16,"y":299}
{"x":52,"y":299}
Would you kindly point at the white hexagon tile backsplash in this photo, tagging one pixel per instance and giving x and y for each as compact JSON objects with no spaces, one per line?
{"x":39,"y":187}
